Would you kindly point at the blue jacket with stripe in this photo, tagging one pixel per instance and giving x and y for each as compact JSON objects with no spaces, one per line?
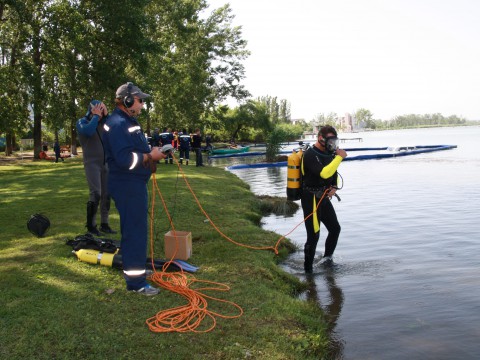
{"x":125,"y":144}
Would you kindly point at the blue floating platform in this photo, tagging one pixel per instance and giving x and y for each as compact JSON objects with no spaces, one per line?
{"x":396,"y":152}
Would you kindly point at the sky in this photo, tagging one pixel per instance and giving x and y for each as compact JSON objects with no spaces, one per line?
{"x":392,"y":57}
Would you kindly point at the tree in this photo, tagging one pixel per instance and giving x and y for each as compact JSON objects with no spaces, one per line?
{"x":279,"y":112}
{"x":197,"y":62}
{"x":274,"y":141}
{"x":285,"y":112}
{"x":58,"y":55}
{"x":14,"y":95}
{"x":365,"y":118}
{"x":252,"y":114}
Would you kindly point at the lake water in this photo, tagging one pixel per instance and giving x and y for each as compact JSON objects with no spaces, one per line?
{"x":406,"y":279}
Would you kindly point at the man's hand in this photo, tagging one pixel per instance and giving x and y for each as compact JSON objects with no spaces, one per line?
{"x":341,"y":153}
{"x":157,"y":154}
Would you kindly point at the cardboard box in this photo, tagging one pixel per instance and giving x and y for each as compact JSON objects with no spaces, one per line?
{"x":178,"y":245}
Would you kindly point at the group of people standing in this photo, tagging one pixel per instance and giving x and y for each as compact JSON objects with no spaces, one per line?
{"x":181,"y":141}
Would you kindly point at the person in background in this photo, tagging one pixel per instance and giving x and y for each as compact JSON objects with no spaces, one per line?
{"x":166,"y":138}
{"x":131,"y":162}
{"x":197,"y":146}
{"x":319,"y":169}
{"x":208,"y":142}
{"x":90,"y":131}
{"x":56,"y":148}
{"x":175,"y":140}
{"x":156,"y":138}
{"x":184,"y":139}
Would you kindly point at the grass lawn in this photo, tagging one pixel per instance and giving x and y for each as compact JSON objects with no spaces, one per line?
{"x":53,"y":306}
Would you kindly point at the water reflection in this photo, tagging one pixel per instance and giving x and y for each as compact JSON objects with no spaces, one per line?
{"x":332,"y":307}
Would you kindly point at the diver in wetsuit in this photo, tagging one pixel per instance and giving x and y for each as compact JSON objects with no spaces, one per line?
{"x":319,"y":169}
{"x":90,"y":132}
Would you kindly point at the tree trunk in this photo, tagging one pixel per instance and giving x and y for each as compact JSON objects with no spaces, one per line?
{"x":73,"y":105}
{"x":73,"y":137}
{"x":37,"y":95}
{"x":8,"y":144}
{"x":235,"y":133}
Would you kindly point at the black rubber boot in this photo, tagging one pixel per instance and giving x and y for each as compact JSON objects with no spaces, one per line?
{"x":309,"y":256}
{"x":106,"y":229}
{"x":91,"y":212}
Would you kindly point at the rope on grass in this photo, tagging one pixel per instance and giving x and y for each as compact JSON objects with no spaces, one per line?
{"x":189,"y":317}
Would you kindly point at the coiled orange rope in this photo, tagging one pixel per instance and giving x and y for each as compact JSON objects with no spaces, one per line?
{"x":188,"y":317}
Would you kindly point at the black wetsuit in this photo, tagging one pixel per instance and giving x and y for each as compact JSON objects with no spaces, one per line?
{"x":314,"y":161}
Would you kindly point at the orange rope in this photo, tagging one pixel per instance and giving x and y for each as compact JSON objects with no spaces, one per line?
{"x":189,"y":317}
{"x":213,"y":224}
{"x":274,"y":248}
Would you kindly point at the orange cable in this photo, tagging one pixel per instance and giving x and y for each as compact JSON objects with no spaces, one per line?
{"x":213,"y":224}
{"x":189,"y":317}
{"x":274,"y":248}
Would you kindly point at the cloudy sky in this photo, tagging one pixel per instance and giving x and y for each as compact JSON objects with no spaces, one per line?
{"x":392,"y":57}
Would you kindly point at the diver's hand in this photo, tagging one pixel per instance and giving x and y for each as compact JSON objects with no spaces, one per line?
{"x":98,"y":109}
{"x":104,"y":110}
{"x":331,"y":193}
{"x":341,"y":152}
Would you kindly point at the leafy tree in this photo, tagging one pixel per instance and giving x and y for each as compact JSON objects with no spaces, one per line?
{"x":197,"y":62}
{"x":14,"y":95}
{"x":285,"y":111}
{"x":252,"y":114}
{"x":292,"y":132}
{"x":331,"y":119}
{"x":274,"y":141}
{"x":279,"y":112}
{"x":57,"y":55}
{"x":365,"y":117}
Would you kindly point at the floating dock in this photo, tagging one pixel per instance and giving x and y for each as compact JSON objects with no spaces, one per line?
{"x":401,"y":151}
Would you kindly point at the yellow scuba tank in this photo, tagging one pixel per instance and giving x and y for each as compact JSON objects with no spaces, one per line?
{"x":98,"y":257}
{"x":294,"y":178}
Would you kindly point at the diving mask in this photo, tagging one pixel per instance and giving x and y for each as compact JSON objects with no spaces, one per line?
{"x":331,"y":143}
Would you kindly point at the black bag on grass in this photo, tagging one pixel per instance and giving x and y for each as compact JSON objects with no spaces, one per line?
{"x":38,"y":224}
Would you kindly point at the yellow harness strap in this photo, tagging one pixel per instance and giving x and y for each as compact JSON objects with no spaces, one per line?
{"x":316,"y":225}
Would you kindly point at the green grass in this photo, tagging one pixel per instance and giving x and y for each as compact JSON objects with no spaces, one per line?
{"x":53,"y":306}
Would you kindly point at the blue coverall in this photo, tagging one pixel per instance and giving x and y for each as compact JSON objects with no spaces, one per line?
{"x":125,"y":144}
{"x":166,"y":138}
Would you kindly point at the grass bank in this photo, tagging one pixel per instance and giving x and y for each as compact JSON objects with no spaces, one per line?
{"x":55,"y":307}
